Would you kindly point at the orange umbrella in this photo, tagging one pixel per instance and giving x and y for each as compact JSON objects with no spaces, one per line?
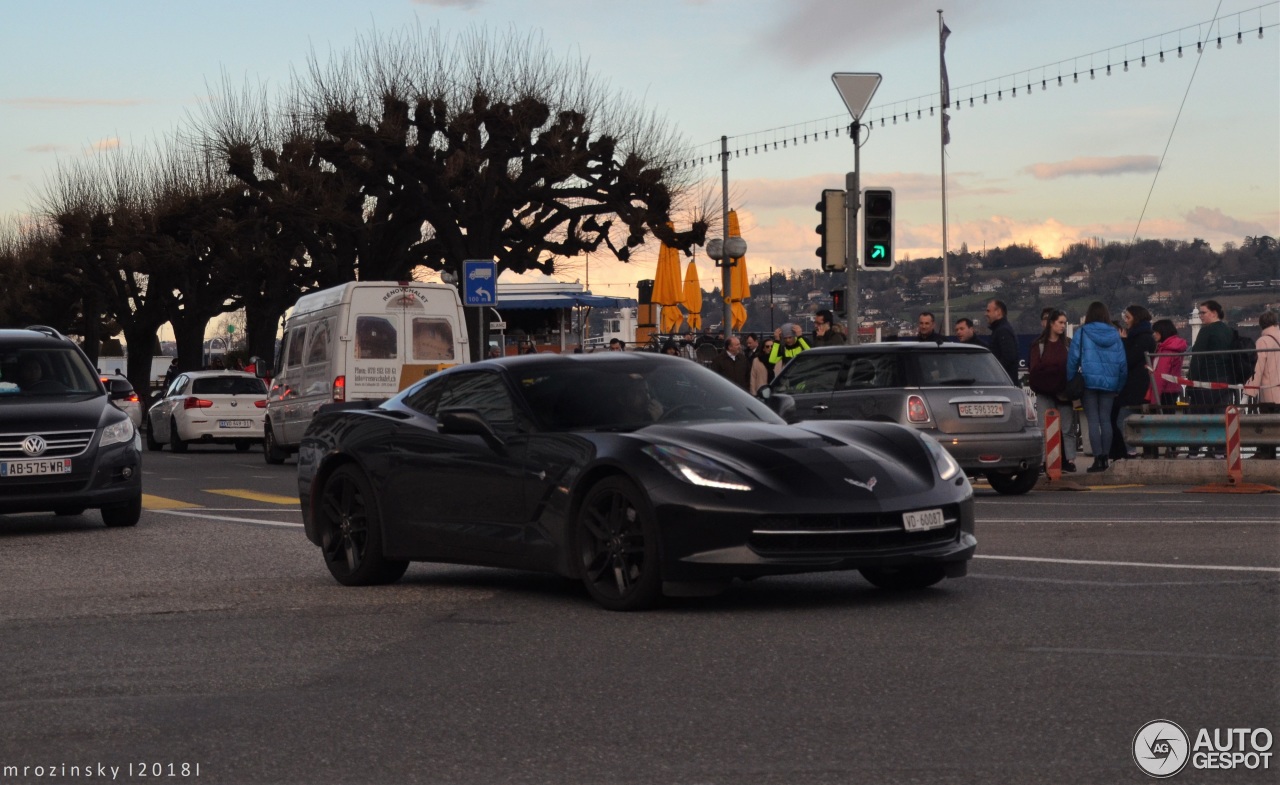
{"x":667,"y":291}
{"x":693,"y":297}
{"x":739,"y":289}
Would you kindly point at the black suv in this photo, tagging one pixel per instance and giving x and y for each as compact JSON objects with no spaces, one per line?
{"x":63,"y":446}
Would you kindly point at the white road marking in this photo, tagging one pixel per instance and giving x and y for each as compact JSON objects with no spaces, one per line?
{"x":186,"y":514}
{"x":1144,"y":521}
{"x":1181,"y":654}
{"x":1231,"y":568}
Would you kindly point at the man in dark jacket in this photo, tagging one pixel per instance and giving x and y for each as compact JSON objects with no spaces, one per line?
{"x":824,"y":330}
{"x":1214,"y":336}
{"x":733,"y":364}
{"x":1003,"y":342}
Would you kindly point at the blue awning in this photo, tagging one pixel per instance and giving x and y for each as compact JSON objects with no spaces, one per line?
{"x":564,"y":301}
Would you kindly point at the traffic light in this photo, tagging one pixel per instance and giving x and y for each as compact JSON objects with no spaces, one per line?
{"x":831,"y":230}
{"x":837,"y":303}
{"x":877,"y":229}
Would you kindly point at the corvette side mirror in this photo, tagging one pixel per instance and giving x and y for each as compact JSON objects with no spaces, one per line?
{"x":469,"y":422}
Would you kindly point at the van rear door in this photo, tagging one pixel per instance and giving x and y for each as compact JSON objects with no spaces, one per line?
{"x":400,"y":334}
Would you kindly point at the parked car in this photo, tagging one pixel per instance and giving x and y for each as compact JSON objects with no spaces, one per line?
{"x":639,"y":474}
{"x":957,"y":394}
{"x":208,"y":407}
{"x":124,"y":397}
{"x":64,"y":447}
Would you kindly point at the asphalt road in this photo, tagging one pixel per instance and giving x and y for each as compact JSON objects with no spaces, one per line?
{"x":212,"y":635}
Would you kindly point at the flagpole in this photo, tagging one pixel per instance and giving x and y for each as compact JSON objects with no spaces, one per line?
{"x":945,"y":96}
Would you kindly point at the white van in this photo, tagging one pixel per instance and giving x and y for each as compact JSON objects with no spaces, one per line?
{"x":363,"y":340}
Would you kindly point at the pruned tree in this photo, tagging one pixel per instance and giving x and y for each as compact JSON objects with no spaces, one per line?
{"x":435,"y":151}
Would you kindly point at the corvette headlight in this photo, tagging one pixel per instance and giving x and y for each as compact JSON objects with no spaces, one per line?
{"x":947,"y":466}
{"x":697,"y":469}
{"x":116,"y":433}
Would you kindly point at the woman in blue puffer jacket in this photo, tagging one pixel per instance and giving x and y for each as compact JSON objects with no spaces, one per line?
{"x":1097,"y":352}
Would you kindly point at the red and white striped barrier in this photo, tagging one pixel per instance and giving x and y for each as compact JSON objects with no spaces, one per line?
{"x":1235,"y":472}
{"x":1053,"y":444}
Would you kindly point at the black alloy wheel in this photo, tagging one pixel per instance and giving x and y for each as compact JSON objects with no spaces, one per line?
{"x":617,"y":546}
{"x":175,"y":442}
{"x":352,"y":532}
{"x":904,"y":578}
{"x":1014,"y":483}
{"x":270,"y":452}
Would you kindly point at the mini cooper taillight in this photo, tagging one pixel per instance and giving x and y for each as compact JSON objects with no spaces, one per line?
{"x":196,"y":403}
{"x":917,"y":409}
{"x":339,"y":389}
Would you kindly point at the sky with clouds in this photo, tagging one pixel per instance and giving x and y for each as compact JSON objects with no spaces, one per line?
{"x":1050,"y":164}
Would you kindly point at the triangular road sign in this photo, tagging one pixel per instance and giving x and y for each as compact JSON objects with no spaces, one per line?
{"x":856,"y":90}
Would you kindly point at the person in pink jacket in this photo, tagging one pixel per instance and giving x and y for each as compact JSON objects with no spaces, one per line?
{"x":1168,"y":342}
{"x":1264,"y":385}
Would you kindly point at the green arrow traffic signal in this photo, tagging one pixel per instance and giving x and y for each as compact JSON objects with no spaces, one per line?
{"x":877,"y":251}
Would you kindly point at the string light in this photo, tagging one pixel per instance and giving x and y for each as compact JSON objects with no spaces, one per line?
{"x":1162,"y":55}
{"x":1126,"y":66}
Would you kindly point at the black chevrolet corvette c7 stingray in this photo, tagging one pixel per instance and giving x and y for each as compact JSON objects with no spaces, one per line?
{"x":639,"y":474}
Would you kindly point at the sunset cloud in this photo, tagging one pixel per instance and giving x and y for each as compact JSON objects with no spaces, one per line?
{"x":102,"y":145}
{"x":1213,"y":219}
{"x":46,"y":148}
{"x":1095,"y":166}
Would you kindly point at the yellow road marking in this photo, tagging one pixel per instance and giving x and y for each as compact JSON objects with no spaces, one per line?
{"x":269,"y":498}
{"x":150,"y":502}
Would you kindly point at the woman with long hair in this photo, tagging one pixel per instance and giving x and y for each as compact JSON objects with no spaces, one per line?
{"x":1139,"y":341}
{"x":1048,"y":380}
{"x":1098,"y":355}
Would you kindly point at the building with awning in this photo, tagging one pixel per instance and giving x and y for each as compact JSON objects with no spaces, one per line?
{"x":549,"y":313}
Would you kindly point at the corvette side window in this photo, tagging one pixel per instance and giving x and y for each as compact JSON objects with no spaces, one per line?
{"x":483,"y":392}
{"x":427,"y":397}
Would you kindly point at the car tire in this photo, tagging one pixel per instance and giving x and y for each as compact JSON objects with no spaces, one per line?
{"x":152,"y":444}
{"x":243,"y":445}
{"x":904,"y":578}
{"x":351,"y":531}
{"x":617,"y":546}
{"x":175,"y":441}
{"x":120,"y":515}
{"x":1014,"y":483}
{"x":272,"y":453}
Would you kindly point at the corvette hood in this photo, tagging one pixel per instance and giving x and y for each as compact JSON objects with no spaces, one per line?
{"x":808,"y":461}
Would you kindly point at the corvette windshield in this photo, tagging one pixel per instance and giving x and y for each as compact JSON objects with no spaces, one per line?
{"x":625,"y":396}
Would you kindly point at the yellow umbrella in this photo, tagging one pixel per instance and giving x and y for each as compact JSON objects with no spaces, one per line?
{"x":693,"y":297}
{"x":739,"y":289}
{"x":666,"y":287}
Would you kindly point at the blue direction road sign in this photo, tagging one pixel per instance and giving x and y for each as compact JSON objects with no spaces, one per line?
{"x":479,"y":282}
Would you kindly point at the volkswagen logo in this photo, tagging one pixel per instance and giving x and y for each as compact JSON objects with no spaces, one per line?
{"x":34,"y":445}
{"x":233,"y":403}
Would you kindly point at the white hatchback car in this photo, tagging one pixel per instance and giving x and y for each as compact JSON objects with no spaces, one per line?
{"x":208,"y":407}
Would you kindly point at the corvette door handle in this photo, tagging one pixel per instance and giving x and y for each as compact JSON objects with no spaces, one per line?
{"x":822,"y":407}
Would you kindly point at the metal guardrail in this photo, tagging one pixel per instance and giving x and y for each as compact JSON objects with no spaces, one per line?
{"x":1199,"y":430}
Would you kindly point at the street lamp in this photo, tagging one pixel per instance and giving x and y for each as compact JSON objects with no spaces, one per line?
{"x":726,"y":249}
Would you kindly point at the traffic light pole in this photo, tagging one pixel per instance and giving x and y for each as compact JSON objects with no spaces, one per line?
{"x":852,"y":201}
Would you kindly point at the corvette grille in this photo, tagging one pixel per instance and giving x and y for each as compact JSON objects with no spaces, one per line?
{"x":850,"y":533}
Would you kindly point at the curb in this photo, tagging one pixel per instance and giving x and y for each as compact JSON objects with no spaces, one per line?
{"x":1162,"y":471}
